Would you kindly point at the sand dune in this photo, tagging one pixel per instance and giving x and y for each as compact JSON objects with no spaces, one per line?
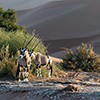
{"x":68,"y":20}
{"x":63,"y":23}
{"x":56,"y":45}
{"x":94,"y":41}
{"x":23,"y":4}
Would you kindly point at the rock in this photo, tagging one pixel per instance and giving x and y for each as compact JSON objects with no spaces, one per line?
{"x":70,"y":88}
{"x":66,"y":82}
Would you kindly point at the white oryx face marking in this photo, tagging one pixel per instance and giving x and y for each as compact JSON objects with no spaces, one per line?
{"x":20,"y":56}
{"x":33,"y":55}
{"x":22,"y":50}
{"x":30,"y":52}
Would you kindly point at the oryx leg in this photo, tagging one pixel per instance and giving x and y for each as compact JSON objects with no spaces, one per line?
{"x":26,"y":75}
{"x":50,"y":70}
{"x":37,"y":70}
{"x":23,"y":73}
{"x":19,"y":74}
{"x":19,"y":77}
{"x":49,"y":74}
{"x":40,"y":70}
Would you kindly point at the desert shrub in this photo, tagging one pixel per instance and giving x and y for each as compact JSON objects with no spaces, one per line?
{"x":56,"y":70}
{"x":8,"y":20}
{"x":8,"y":65}
{"x":9,"y":54}
{"x":16,"y":40}
{"x":83,"y":59}
{"x":44,"y":72}
{"x":12,"y":37}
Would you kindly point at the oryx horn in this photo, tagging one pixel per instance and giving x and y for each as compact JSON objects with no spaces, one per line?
{"x":29,"y":41}
{"x":25,"y":41}
{"x":36,"y":45}
{"x":33,"y":45}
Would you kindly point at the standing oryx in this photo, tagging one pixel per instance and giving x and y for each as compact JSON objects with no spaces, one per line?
{"x":41,"y":60}
{"x":24,"y":61}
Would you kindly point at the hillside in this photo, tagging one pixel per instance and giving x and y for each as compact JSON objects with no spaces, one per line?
{"x":64,"y":23}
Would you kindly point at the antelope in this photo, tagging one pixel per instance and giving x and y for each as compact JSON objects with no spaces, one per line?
{"x":41,"y":60}
{"x":24,"y":61}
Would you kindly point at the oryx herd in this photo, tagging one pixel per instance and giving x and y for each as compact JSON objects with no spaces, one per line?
{"x":25,"y":58}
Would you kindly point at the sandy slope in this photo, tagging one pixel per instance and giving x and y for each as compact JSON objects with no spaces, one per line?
{"x":61,"y":20}
{"x":23,"y":4}
{"x":63,"y":23}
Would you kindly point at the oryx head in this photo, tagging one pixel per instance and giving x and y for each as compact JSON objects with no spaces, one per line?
{"x":24,"y":48}
{"x":32,"y":49}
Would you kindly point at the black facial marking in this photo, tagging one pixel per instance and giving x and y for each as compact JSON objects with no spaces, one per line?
{"x":43,"y":64}
{"x":29,"y":62}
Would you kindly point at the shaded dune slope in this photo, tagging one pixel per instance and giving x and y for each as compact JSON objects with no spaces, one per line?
{"x":55,"y":45}
{"x":63,"y":23}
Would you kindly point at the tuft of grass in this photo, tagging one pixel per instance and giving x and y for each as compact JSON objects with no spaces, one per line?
{"x":44,"y":71}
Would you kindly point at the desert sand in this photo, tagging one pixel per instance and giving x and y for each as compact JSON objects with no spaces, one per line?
{"x":62,"y":23}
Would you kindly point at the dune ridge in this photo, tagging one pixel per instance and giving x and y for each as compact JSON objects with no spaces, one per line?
{"x":55,"y":45}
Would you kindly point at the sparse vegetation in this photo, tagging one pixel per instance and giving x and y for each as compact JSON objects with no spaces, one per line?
{"x":8,"y":55}
{"x":16,"y":40}
{"x":12,"y":37}
{"x":44,"y":72}
{"x":8,"y":65}
{"x":83,"y":59}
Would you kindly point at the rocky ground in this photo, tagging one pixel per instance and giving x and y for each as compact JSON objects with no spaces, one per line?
{"x":69,"y":86}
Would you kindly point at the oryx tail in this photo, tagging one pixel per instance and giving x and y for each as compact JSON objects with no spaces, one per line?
{"x":17,"y":73}
{"x":51,"y":69}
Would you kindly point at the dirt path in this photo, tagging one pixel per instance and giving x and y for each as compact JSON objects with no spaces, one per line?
{"x":71,"y":86}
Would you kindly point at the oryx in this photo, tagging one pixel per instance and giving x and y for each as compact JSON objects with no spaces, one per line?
{"x":41,"y":60}
{"x":24,"y":61}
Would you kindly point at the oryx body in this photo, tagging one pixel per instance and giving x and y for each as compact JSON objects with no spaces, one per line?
{"x":24,"y":61}
{"x":42,"y":60}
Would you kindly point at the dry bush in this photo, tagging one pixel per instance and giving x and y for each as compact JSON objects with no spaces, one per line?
{"x":8,"y":65}
{"x":83,"y":59}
